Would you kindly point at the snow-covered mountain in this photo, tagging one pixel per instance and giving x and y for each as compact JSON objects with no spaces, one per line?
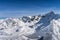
{"x":40,"y":27}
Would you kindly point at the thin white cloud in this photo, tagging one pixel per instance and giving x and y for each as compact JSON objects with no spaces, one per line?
{"x":19,"y":13}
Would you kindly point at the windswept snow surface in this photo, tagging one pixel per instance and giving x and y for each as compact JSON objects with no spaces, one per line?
{"x":46,"y":27}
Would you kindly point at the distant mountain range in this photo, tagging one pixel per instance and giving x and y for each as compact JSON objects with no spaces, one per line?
{"x":39,"y":27}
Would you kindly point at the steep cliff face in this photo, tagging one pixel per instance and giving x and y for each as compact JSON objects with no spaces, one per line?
{"x":45,"y":27}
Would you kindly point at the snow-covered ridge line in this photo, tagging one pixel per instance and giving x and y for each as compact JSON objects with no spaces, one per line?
{"x":12,"y":27}
{"x":31,"y":27}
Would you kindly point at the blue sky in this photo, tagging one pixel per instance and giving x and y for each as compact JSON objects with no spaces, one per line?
{"x":18,"y":8}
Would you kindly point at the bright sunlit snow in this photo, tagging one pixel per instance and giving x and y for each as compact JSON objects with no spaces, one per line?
{"x":40,"y":27}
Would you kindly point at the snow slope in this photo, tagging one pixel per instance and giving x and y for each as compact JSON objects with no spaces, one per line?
{"x":40,"y":27}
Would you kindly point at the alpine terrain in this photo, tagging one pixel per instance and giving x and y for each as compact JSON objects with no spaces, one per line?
{"x":39,"y":27}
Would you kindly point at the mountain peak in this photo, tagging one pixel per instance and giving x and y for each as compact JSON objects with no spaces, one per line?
{"x":50,"y":13}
